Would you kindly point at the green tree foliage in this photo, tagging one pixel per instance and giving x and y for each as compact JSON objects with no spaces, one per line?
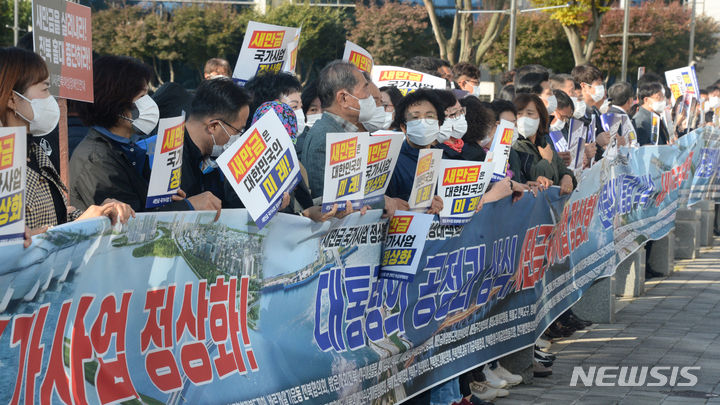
{"x":7,"y":15}
{"x":323,"y":34}
{"x":581,"y":22}
{"x":392,"y":32}
{"x":539,"y":40}
{"x":666,"y":49}
{"x":189,"y":35}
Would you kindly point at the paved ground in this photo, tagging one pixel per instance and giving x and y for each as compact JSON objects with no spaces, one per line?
{"x":676,"y":323}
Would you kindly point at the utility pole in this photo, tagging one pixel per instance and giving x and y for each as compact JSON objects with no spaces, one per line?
{"x":625,"y":45}
{"x":16,"y":28}
{"x":511,"y":45}
{"x":691,"y":53}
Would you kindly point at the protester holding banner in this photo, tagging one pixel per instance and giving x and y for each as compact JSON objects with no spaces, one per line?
{"x":216,"y":119}
{"x":300,"y":196}
{"x":312,"y":110}
{"x":345,"y":98}
{"x":621,"y":99}
{"x":652,"y":103}
{"x":453,"y":128}
{"x":281,"y":86}
{"x":26,"y":102}
{"x":480,"y":121}
{"x":592,"y":93}
{"x":538,"y":161}
{"x":419,"y":115}
{"x":108,"y":162}
{"x":380,"y":119}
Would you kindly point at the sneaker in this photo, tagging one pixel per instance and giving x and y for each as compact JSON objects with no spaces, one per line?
{"x":477,"y":401}
{"x":483,"y":391}
{"x":541,"y":371}
{"x":492,"y":379}
{"x":512,"y":379}
{"x":539,"y":354}
{"x":543,"y":344}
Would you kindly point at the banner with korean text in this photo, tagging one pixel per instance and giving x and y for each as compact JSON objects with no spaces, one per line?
{"x":176,"y":308}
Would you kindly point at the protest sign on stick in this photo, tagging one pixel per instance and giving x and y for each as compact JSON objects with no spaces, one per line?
{"x":264,"y":48}
{"x":62,"y":35}
{"x":404,"y":243}
{"x":383,"y":150}
{"x":358,"y":56}
{"x":505,"y":136}
{"x":406,"y":80}
{"x":167,"y":162}
{"x":426,"y":172}
{"x":261,"y":166}
{"x":345,"y":164}
{"x":13,"y":164}
{"x":461,"y":184}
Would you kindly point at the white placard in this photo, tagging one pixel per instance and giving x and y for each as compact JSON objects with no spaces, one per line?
{"x":461,"y":184}
{"x":406,"y":80}
{"x":358,"y":56}
{"x":13,"y":164}
{"x":345,"y":157}
{"x":505,"y":136}
{"x":265,"y":47}
{"x":426,"y":172}
{"x":403,"y":247}
{"x":167,"y":162}
{"x":261,"y":166}
{"x":382,"y":154}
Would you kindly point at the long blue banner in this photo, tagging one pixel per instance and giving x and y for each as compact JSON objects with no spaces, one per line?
{"x":175,"y":308}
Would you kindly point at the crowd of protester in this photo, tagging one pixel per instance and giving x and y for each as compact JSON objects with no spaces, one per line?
{"x":109,"y":164}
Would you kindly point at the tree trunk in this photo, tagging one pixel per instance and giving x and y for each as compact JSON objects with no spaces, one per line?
{"x":593,"y":32}
{"x":573,"y":37}
{"x":466,"y":33}
{"x":172,"y":71}
{"x":492,"y":32}
{"x":437,"y":28}
{"x":157,"y":72}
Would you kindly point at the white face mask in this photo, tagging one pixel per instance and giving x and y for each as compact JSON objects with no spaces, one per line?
{"x":557,"y":125}
{"x":148,"y":115}
{"x":312,"y":119}
{"x":367,"y":108}
{"x":527,"y":126}
{"x":659,"y":106}
{"x":604,"y":107}
{"x":46,"y":114}
{"x":714,"y":102}
{"x":580,"y":108}
{"x":300,"y":115}
{"x":476,"y":91}
{"x":217,"y":150}
{"x":599,"y":93}
{"x":453,"y":128}
{"x":551,"y":104}
{"x":378,"y":121}
{"x":423,"y":132}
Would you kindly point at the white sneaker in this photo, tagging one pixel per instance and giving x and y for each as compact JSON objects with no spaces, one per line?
{"x":483,"y":391}
{"x":502,"y":393}
{"x":492,"y":379}
{"x":542,"y":343}
{"x":512,"y":379}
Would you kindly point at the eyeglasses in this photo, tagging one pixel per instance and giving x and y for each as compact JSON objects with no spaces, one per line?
{"x":457,"y":113}
{"x":221,"y":122}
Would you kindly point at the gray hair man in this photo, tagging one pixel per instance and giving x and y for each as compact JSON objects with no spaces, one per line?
{"x":346,"y":101}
